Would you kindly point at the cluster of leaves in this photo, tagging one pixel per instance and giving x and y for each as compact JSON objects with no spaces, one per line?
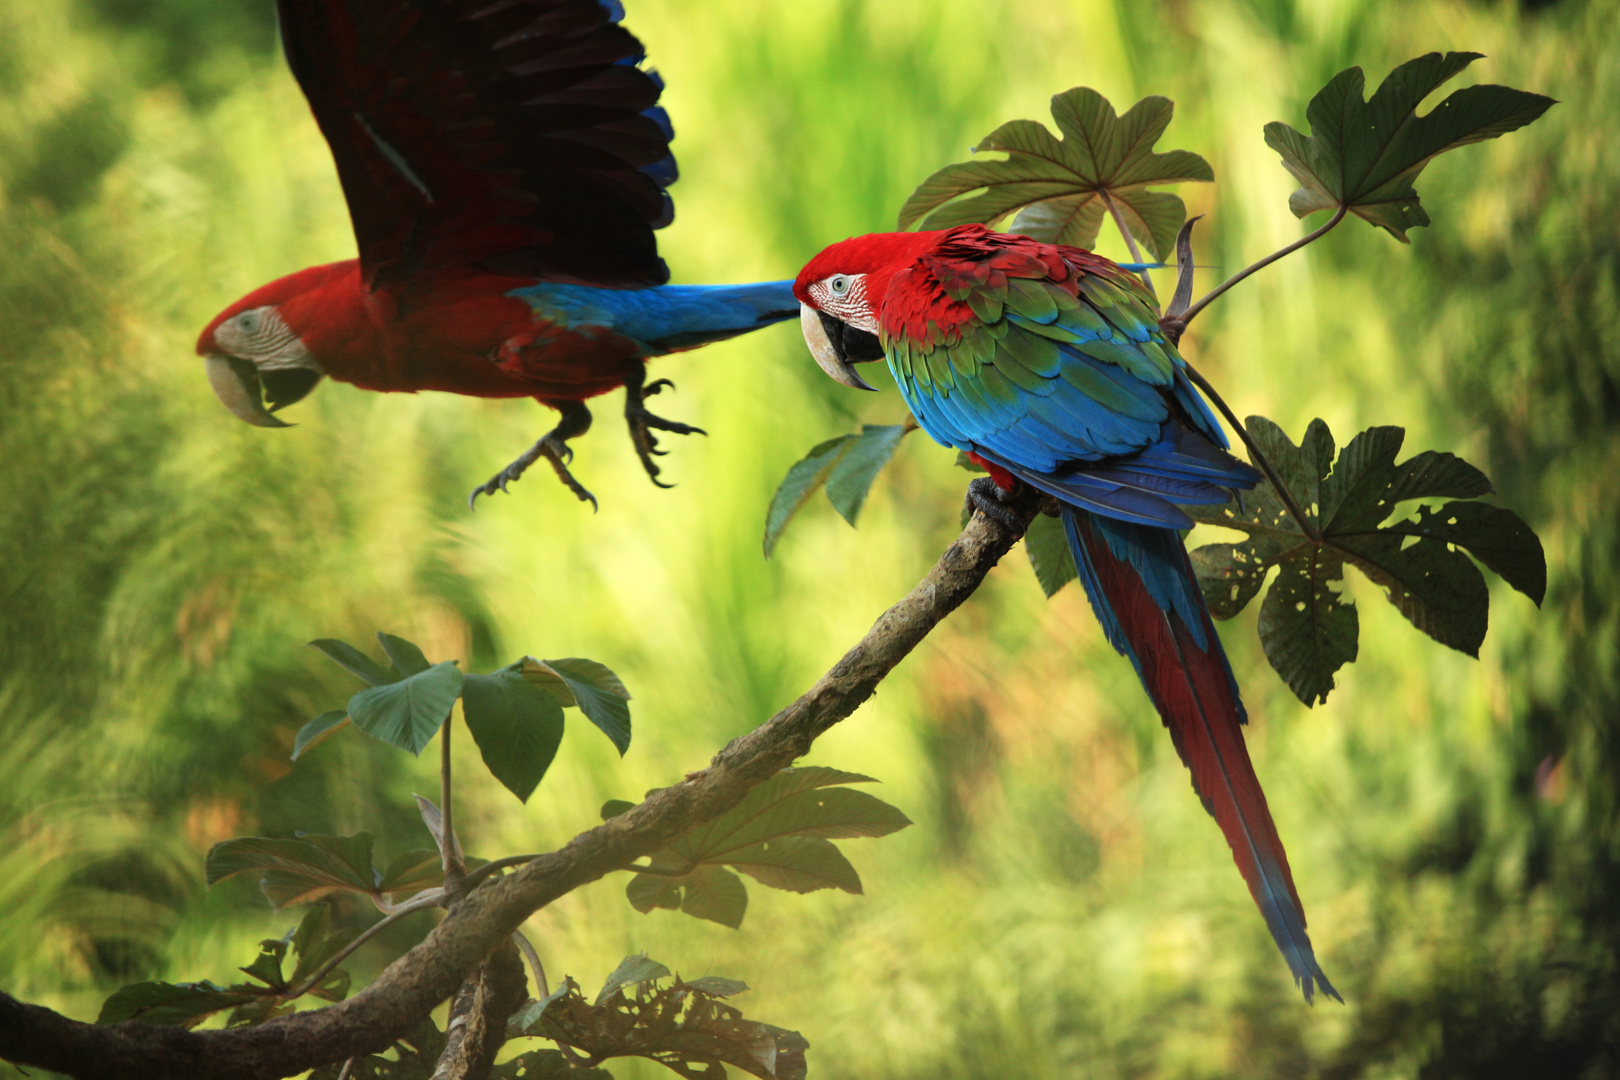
{"x":780,"y":835}
{"x":685,"y":1026}
{"x":1307,"y":625}
{"x":312,"y":943}
{"x":515,"y":713}
{"x":845,"y":467}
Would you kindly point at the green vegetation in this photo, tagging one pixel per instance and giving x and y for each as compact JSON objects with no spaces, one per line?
{"x":1062,"y":907}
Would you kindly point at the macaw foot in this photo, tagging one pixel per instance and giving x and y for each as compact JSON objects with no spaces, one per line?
{"x":995,"y":502}
{"x":643,"y":423}
{"x":576,"y":420}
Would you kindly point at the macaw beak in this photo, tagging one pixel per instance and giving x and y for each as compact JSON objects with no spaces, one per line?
{"x":828,"y":356}
{"x":236,"y":384}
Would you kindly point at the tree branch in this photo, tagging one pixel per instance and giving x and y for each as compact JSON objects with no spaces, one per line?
{"x":413,"y":985}
{"x":477,"y":1026}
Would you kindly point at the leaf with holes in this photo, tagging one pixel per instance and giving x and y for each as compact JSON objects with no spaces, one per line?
{"x":1366,"y":155}
{"x":1308,"y":627}
{"x":1061,"y":190}
{"x":684,"y":1026}
{"x":780,"y":835}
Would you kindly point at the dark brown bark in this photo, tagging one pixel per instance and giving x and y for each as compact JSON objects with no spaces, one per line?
{"x":430,"y":973}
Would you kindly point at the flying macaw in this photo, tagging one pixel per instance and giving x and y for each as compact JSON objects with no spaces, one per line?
{"x":505,"y":165}
{"x":1046,"y":366}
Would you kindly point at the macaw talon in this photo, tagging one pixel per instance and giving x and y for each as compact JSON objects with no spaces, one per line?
{"x":994,"y":502}
{"x":642,"y":424}
{"x":576,"y":420}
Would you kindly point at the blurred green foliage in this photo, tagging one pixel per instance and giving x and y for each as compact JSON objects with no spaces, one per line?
{"x":1064,"y":907}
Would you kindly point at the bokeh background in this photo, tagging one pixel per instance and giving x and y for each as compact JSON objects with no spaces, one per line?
{"x":1063,"y":907}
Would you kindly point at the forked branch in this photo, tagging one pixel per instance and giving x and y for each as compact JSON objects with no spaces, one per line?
{"x":413,"y":985}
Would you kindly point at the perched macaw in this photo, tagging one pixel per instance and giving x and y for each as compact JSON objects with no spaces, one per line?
{"x":1047,"y":367}
{"x":504,"y":165}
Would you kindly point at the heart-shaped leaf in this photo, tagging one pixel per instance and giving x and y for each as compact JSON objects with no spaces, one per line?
{"x":1062,"y":189}
{"x":408,"y":713}
{"x":1366,"y":155}
{"x":592,"y":687}
{"x":517,"y":726}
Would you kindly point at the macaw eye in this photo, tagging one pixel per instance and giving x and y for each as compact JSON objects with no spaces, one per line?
{"x":839,"y":284}
{"x":248,"y":321}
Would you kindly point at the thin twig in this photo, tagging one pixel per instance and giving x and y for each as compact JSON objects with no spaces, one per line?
{"x":1317,"y":234}
{"x":348,"y":1066}
{"x":1130,"y":241}
{"x":475,"y":876}
{"x":1255,"y":454}
{"x":542,"y":988}
{"x":365,"y":935}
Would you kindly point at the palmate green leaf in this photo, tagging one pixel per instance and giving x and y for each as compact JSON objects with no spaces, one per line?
{"x":1058,"y":188}
{"x":306,"y":867}
{"x":409,"y":712}
{"x":297,"y":870}
{"x":779,"y":835}
{"x":1309,"y":629}
{"x":845,"y":467}
{"x":1366,"y":155}
{"x":517,"y":726}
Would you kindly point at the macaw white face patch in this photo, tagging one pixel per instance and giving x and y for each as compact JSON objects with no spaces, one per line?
{"x":843,"y":296}
{"x":263,"y":338}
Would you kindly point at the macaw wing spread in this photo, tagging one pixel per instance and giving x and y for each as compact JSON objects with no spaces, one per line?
{"x":513,"y":136}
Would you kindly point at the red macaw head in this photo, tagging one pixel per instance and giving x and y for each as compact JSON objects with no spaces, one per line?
{"x":255,"y":349}
{"x":840,"y":295}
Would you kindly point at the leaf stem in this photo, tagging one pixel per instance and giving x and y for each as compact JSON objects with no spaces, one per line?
{"x":1130,"y":241}
{"x":544,"y":990}
{"x":1316,"y":234}
{"x":365,"y":935}
{"x":454,"y":867}
{"x":1256,"y":454}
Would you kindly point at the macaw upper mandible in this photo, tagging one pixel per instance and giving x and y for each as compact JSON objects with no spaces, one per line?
{"x":1046,"y":365}
{"x":505,"y":166}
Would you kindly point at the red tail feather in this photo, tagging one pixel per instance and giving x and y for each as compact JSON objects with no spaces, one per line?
{"x":1192,"y":690}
